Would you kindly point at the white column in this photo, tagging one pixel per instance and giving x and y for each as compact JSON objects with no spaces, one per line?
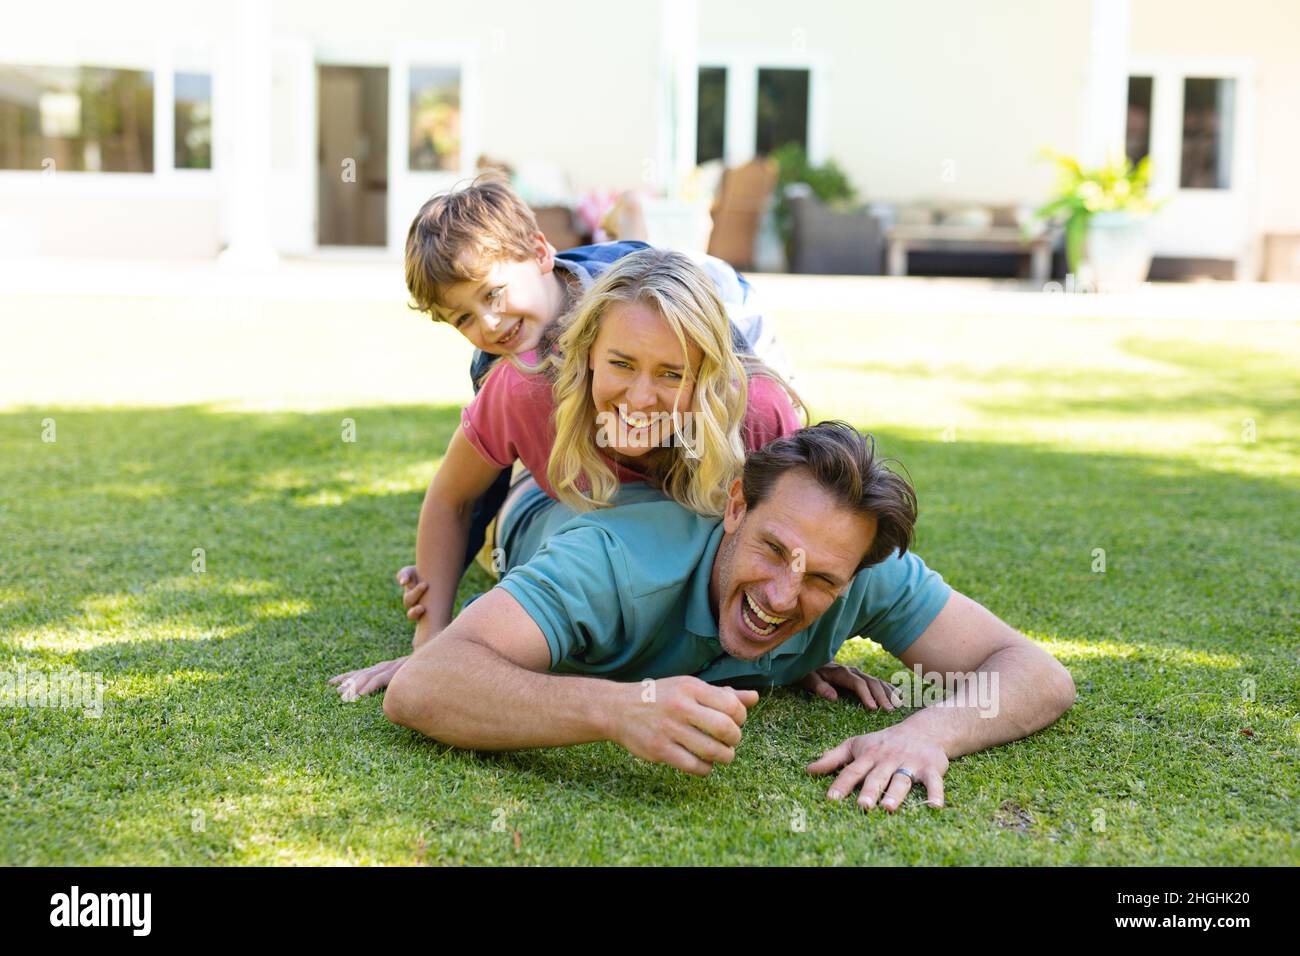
{"x":248,"y":190}
{"x":678,"y":84}
{"x":742,"y":110}
{"x":1105,"y":113}
{"x":164,"y":113}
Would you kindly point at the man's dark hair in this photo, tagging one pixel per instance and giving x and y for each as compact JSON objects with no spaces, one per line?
{"x":844,"y":462}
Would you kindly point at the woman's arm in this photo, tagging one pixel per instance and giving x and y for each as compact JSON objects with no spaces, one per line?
{"x":444,"y":528}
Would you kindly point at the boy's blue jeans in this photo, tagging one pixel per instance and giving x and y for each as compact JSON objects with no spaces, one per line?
{"x":485,"y":509}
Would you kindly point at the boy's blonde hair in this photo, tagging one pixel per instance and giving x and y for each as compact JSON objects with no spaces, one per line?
{"x":677,"y":289}
{"x":458,"y":235}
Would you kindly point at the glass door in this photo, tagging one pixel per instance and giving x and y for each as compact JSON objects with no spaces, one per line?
{"x":1193,"y":120}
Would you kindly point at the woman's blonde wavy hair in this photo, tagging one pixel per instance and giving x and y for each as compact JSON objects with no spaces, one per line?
{"x":677,"y":289}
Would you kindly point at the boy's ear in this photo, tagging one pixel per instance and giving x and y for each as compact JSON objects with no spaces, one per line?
{"x":544,"y":253}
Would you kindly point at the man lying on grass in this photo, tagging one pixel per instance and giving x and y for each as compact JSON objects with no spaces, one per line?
{"x":649,"y":625}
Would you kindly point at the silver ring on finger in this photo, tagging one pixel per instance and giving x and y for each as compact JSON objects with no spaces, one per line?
{"x":906,"y":773}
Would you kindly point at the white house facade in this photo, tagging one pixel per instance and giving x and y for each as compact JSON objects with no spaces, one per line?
{"x":257,"y":130}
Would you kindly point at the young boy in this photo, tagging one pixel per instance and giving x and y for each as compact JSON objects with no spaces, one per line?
{"x":476,"y":259}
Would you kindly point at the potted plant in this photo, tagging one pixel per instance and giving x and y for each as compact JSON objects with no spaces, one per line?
{"x":828,"y":182}
{"x":1106,"y":212}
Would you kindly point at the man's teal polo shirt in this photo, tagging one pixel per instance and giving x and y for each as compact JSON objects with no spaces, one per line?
{"x":623,"y":594}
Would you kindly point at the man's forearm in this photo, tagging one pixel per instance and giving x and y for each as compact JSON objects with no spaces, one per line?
{"x":1011,"y":695}
{"x":466,"y":694}
{"x":439,"y":556}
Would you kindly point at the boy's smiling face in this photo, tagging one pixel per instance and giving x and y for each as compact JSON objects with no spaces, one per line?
{"x":506,"y":311}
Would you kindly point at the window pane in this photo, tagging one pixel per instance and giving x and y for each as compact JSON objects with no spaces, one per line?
{"x":87,"y":119}
{"x":782,"y":109}
{"x":711,"y":114}
{"x":1208,"y":106}
{"x":435,"y":118}
{"x":193,"y":121}
{"x":1138,"y":138}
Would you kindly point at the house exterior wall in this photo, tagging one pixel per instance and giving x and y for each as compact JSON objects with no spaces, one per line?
{"x":1266,"y":34}
{"x":574,"y":85}
{"x":947,"y":100}
{"x":938,"y":100}
{"x":535,"y":97}
{"x":167,"y":214}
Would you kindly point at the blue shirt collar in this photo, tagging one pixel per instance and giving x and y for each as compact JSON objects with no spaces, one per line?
{"x":700,"y":619}
{"x":703,"y":623}
{"x":577,"y":270}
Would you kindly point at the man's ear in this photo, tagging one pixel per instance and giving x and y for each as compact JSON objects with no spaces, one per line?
{"x":735,"y":510}
{"x":544,"y":253}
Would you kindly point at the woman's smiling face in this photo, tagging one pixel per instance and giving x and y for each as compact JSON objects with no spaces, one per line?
{"x":639,"y":377}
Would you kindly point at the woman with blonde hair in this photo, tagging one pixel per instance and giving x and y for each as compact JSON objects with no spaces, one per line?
{"x":676,"y":413}
{"x":646,"y":383}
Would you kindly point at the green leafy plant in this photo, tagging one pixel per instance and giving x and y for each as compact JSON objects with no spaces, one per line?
{"x":827,"y":180}
{"x":1116,"y":186}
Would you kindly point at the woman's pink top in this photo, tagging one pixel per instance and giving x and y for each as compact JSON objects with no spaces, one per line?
{"x":511,"y":418}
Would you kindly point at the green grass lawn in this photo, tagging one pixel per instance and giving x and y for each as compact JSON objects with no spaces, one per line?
{"x":1032,"y":443}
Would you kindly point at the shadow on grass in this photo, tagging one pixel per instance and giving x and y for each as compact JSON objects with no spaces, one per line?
{"x":283,"y":508}
{"x":217,"y":699}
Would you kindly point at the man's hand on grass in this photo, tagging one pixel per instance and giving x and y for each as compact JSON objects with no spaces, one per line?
{"x":872,"y":691}
{"x":358,"y":683}
{"x":873,"y":760}
{"x":683,"y":722}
